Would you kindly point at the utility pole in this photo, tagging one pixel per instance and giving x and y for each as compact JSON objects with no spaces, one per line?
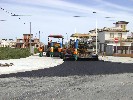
{"x":39,"y":36}
{"x":67,"y":40}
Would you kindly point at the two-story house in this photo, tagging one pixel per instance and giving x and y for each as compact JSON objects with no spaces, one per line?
{"x":106,"y":36}
{"x":26,"y":41}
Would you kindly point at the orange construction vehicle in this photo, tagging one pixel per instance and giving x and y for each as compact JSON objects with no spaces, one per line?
{"x":81,"y":48}
{"x":55,"y":45}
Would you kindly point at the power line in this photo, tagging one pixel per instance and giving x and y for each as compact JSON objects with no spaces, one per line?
{"x":12,"y":14}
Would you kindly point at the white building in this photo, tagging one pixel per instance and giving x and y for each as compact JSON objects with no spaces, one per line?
{"x":7,"y":43}
{"x":107,"y":35}
{"x":106,"y":38}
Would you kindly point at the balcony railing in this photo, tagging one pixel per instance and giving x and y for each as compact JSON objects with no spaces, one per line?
{"x":119,"y":40}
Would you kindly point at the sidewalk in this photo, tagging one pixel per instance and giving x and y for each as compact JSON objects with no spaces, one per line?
{"x":116,"y":59}
{"x":28,"y":64}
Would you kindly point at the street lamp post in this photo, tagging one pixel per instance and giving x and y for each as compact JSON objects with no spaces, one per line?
{"x":96,"y":33}
{"x":30,"y":37}
{"x":39,"y":36}
{"x":96,"y":36}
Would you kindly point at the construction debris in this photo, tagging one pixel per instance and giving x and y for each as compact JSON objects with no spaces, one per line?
{"x":6,"y":65}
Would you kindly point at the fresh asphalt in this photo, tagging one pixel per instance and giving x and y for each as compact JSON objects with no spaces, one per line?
{"x":72,"y":80}
{"x":80,"y":68}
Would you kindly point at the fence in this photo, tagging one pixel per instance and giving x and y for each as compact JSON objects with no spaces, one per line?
{"x":110,"y":50}
{"x":124,"y":49}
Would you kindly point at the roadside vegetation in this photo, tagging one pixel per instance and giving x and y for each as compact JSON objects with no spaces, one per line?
{"x":13,"y":53}
{"x":36,"y":50}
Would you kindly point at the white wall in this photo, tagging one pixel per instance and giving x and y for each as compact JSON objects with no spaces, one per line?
{"x":6,"y":43}
{"x":102,"y":36}
{"x":107,"y":35}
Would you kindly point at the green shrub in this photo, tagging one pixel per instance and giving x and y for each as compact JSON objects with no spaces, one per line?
{"x":13,"y":53}
{"x":36,"y":50}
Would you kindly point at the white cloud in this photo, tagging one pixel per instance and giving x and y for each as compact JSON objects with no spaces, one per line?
{"x":55,"y":16}
{"x":68,"y":8}
{"x":85,"y":10}
{"x":114,"y":6}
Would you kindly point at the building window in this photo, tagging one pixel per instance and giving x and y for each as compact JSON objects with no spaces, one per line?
{"x":32,"y":40}
{"x":120,"y":35}
{"x":111,"y":35}
{"x":123,"y":27}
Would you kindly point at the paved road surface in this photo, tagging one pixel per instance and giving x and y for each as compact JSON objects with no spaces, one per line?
{"x":72,"y":80}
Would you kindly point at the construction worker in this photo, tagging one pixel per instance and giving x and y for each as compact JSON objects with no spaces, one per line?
{"x":75,"y":49}
{"x":75,"y":54}
{"x":51,"y":49}
{"x":41,"y":51}
{"x":59,"y":50}
{"x":64,"y":52}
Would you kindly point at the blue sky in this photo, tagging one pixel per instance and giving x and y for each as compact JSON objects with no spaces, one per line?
{"x":56,"y":16}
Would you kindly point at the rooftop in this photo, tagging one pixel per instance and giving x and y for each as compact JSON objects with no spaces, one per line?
{"x":80,"y":35}
{"x":121,"y":22}
{"x":113,"y":29}
{"x":56,"y":36}
{"x":27,"y":34}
